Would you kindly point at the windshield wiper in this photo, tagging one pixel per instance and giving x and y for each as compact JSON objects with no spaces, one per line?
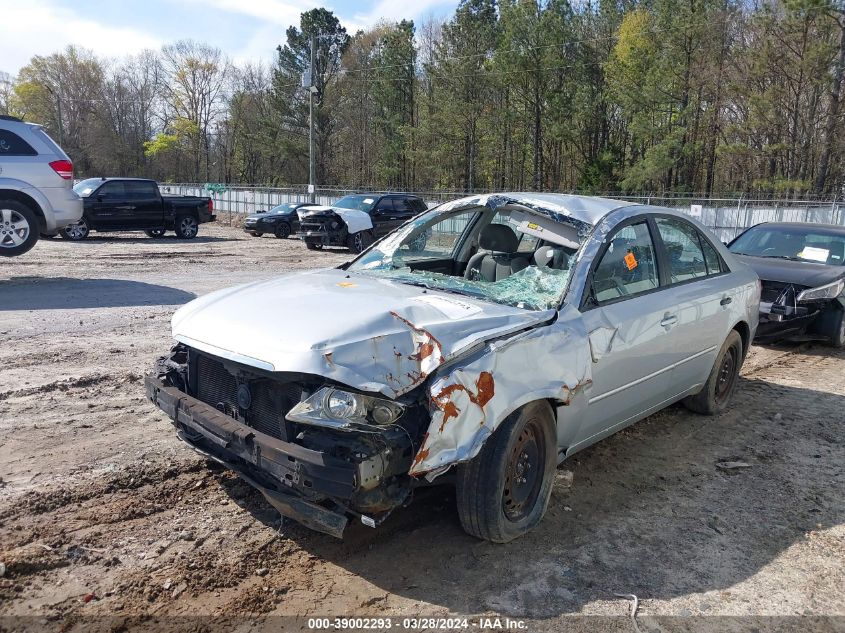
{"x":792,"y":259}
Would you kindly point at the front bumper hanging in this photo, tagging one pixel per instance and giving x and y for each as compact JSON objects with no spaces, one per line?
{"x":249,"y":452}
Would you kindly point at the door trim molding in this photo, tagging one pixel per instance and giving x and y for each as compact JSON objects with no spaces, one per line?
{"x":638,"y":381}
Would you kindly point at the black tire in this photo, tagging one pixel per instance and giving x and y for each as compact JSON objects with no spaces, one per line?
{"x":716,"y":394}
{"x":313,"y":246}
{"x":282,"y":230}
{"x":77,"y":231}
{"x":187,"y":227}
{"x":155,"y":233}
{"x":256,"y":233}
{"x":19,"y":228}
{"x":358,"y":242}
{"x":838,"y":338}
{"x":490,"y":505}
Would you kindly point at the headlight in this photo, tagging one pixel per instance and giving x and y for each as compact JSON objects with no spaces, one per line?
{"x":341,"y":409}
{"x":828,"y":291}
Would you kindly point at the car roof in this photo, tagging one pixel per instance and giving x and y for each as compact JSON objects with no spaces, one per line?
{"x":834,"y":228}
{"x":108,"y":178}
{"x":557,"y":206}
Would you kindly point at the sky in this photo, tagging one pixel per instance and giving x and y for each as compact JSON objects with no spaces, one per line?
{"x":246,"y":30}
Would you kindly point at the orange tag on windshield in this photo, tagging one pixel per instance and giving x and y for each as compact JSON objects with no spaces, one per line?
{"x":630,"y":261}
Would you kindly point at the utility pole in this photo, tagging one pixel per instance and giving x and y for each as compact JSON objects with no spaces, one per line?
{"x":311,"y":90}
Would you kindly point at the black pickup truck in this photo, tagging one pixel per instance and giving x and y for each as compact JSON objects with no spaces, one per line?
{"x":135,"y":204}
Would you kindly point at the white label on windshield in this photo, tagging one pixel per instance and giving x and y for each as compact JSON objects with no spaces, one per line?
{"x":452,"y":308}
{"x":814,"y":254}
{"x":369,"y":200}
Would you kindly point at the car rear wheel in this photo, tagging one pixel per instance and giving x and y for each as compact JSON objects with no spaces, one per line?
{"x":256,"y":233}
{"x":283,"y":230}
{"x":155,"y":233}
{"x":76,"y":231}
{"x":716,"y":394}
{"x":313,"y":246}
{"x":504,"y":491}
{"x":187,"y":227}
{"x":18,"y":228}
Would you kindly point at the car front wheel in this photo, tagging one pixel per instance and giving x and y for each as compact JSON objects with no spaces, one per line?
{"x":838,"y":338}
{"x":504,"y":491}
{"x":358,"y":242}
{"x":716,"y":394}
{"x":187,"y":227}
{"x":76,"y":231}
{"x":18,"y":228}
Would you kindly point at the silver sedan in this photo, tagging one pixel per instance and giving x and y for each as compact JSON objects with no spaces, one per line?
{"x":528,"y":327}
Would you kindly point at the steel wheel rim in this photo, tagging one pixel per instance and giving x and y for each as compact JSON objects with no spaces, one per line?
{"x":524,"y":473}
{"x":77,"y":230}
{"x":359,"y":242}
{"x":188,"y":227}
{"x":726,"y":376}
{"x":14,"y":228}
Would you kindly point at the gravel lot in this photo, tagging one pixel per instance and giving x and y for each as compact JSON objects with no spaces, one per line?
{"x":100,"y":502}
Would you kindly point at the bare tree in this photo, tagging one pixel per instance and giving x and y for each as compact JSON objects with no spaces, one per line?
{"x":194,"y":91}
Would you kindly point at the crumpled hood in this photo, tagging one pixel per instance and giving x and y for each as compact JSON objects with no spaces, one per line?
{"x":355,"y":220}
{"x":369,"y":333}
{"x":791,"y":272}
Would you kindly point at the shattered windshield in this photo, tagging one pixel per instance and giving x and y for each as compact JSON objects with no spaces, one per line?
{"x":490,"y":257}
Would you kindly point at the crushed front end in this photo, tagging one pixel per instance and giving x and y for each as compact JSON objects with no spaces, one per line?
{"x":323,"y":228}
{"x":320,"y":472}
{"x":790,"y":310}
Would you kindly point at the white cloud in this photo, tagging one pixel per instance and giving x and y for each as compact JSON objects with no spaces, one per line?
{"x":38,"y":27}
{"x":393,"y":11}
{"x":276,"y":11}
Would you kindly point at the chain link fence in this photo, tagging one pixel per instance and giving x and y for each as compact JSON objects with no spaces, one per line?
{"x":725,"y":216}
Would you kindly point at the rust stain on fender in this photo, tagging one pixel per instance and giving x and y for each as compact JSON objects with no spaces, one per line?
{"x":485,"y":389}
{"x":422,"y":453}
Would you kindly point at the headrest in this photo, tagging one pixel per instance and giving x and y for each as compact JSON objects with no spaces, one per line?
{"x":544,"y":255}
{"x":551,"y":257}
{"x":498,"y":237}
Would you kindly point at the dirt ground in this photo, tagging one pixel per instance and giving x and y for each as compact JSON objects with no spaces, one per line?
{"x":104,"y":512}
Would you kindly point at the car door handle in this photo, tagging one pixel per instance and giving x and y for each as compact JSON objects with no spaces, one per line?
{"x":725,"y":301}
{"x":668,"y":319}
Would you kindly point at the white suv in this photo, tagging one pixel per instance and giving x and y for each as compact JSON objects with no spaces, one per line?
{"x":36,"y":186}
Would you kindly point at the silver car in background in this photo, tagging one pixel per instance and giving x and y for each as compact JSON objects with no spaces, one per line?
{"x":36,"y":186}
{"x":529,"y":327}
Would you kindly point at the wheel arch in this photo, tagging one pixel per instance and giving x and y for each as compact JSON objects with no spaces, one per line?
{"x":744,"y":331}
{"x":28,"y":201}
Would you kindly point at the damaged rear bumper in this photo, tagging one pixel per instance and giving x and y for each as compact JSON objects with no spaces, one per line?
{"x":251,"y":454}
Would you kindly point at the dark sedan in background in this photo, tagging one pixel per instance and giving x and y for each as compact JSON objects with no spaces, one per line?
{"x":281,"y":221}
{"x":802,"y":270}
